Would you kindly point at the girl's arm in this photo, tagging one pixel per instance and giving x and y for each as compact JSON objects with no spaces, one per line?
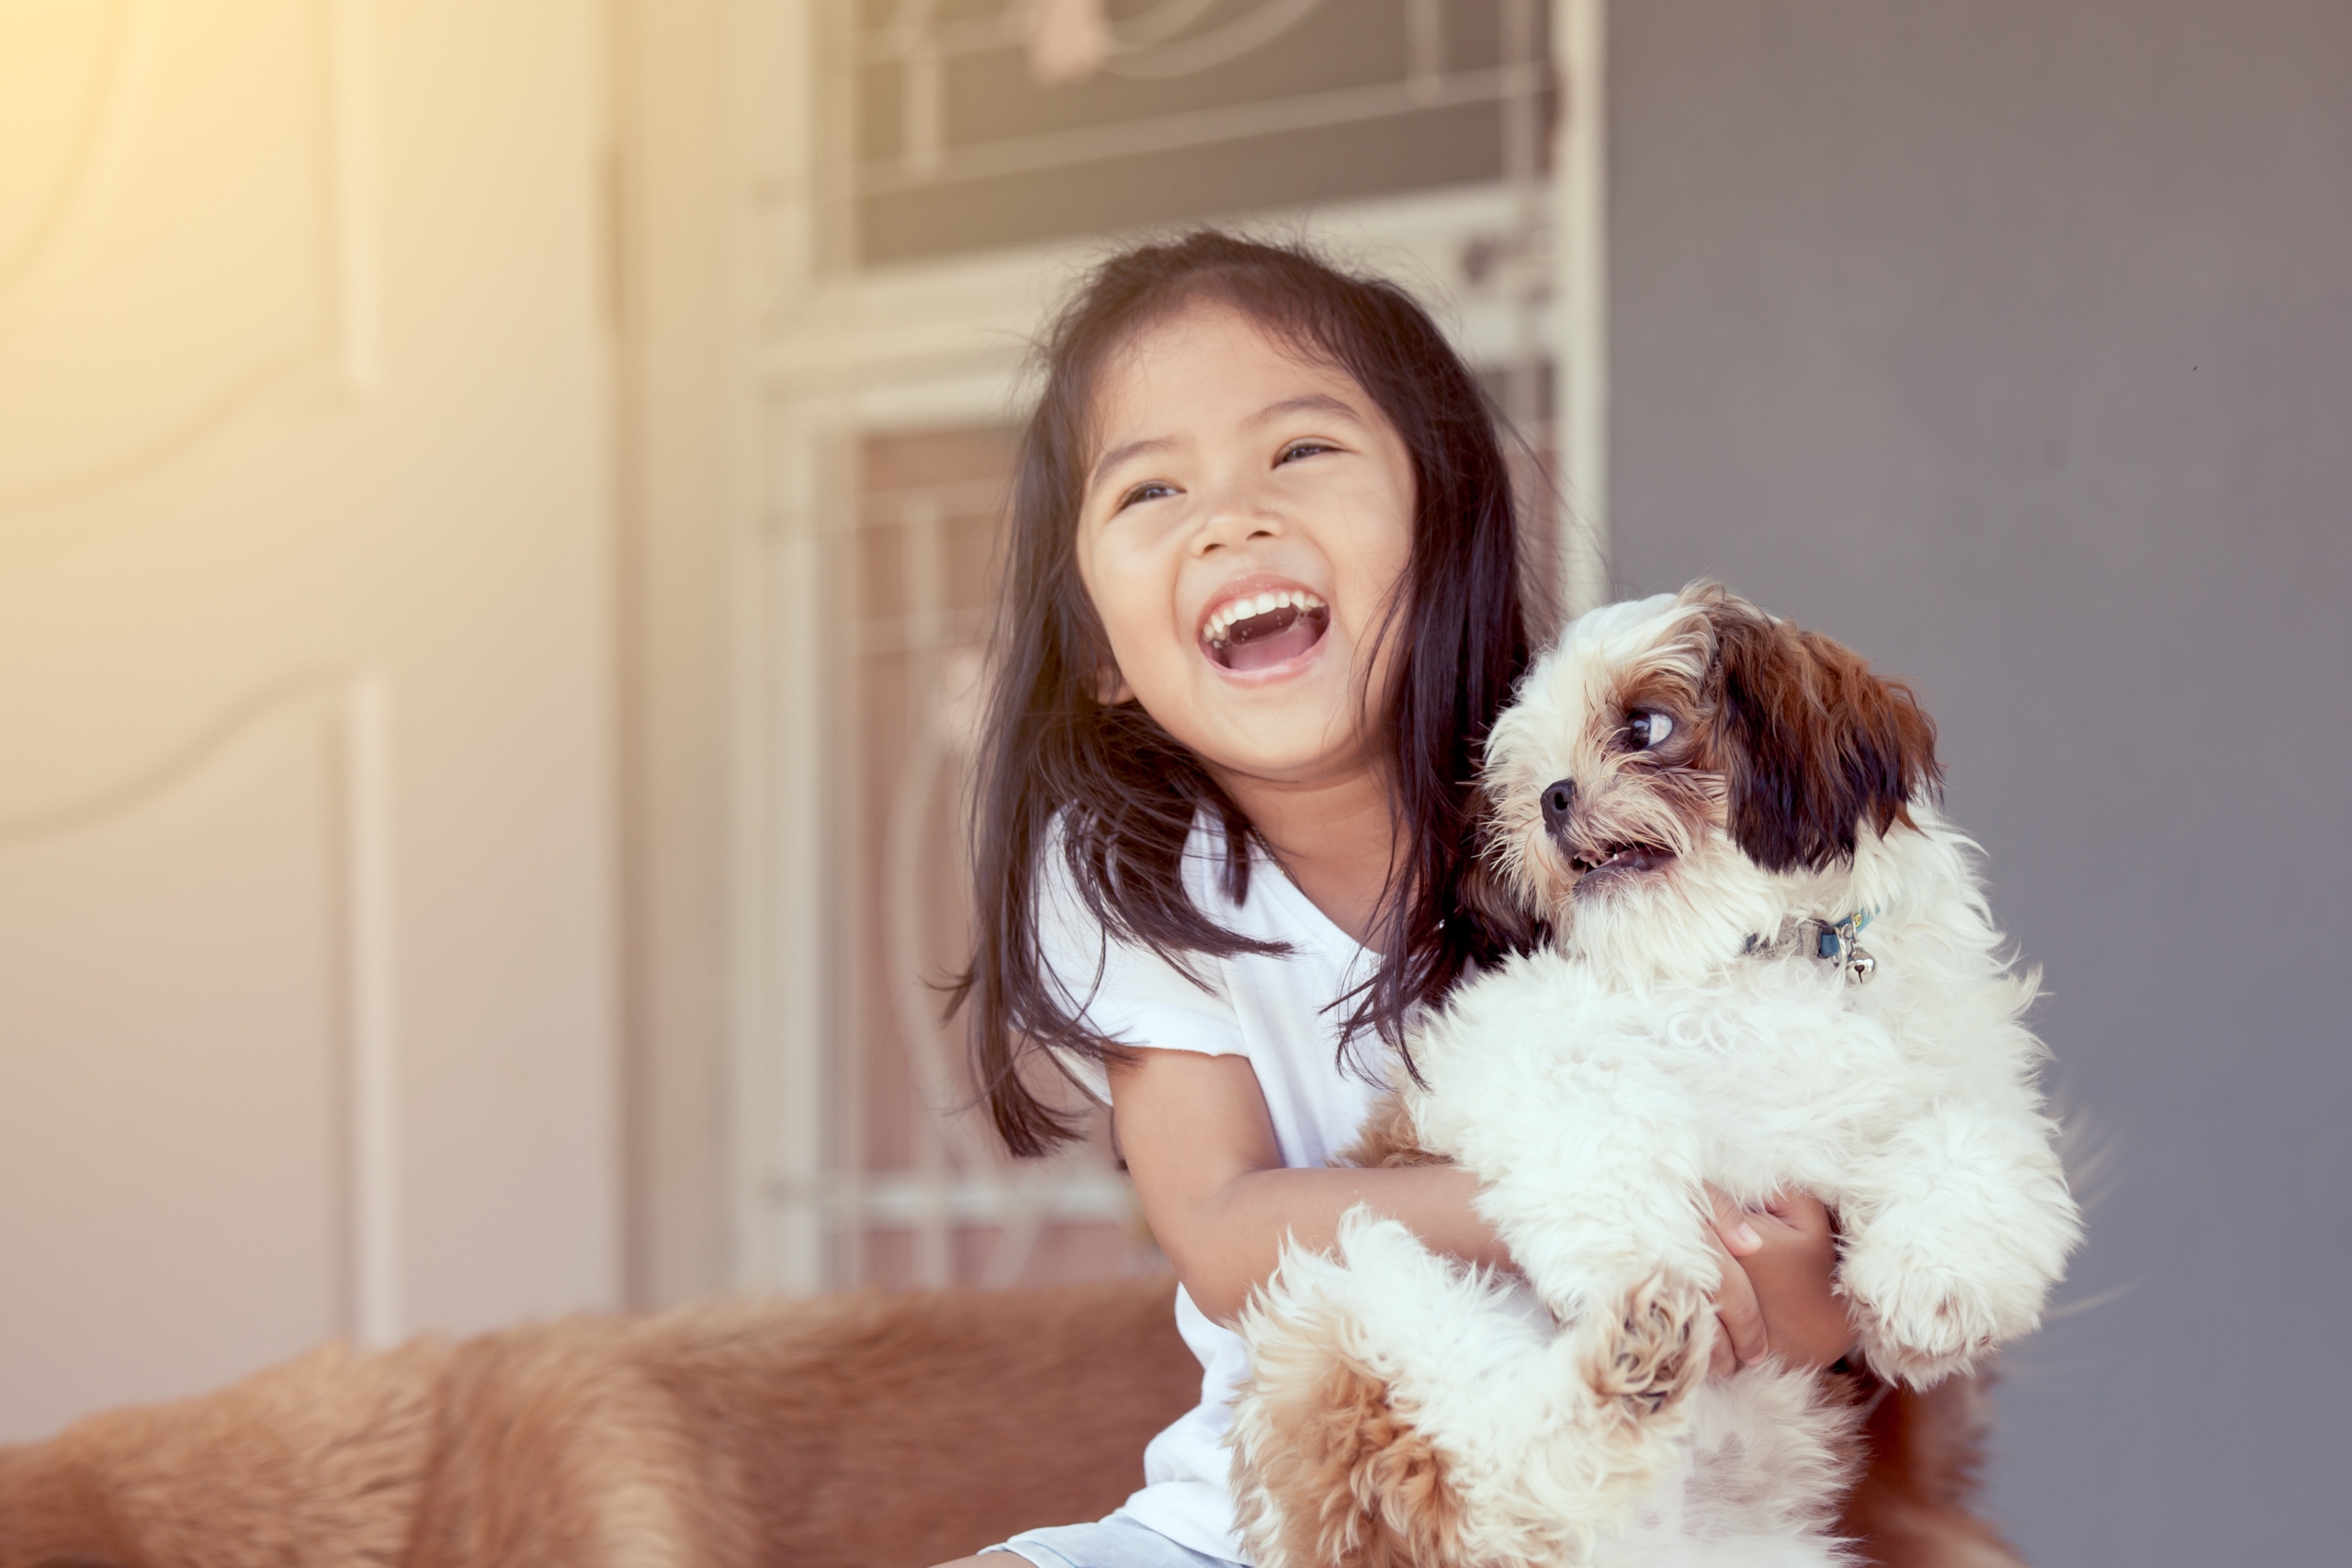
{"x":1201,"y":1147}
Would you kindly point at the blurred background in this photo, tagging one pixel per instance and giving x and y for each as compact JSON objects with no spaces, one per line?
{"x":497,"y":509}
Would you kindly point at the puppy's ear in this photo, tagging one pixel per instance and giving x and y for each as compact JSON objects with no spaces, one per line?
{"x":1500,"y":922}
{"x":1813,"y":744}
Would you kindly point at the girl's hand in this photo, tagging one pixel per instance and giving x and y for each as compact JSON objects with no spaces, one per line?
{"x":1780,"y":1296}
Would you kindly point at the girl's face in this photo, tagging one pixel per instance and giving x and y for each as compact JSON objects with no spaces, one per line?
{"x":1245,"y":524}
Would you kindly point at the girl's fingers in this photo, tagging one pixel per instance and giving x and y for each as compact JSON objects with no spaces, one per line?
{"x":1722,"y":1360}
{"x":1742,"y":1317}
{"x":1802,"y":1212}
{"x":1742,"y":1339}
{"x":1730,"y":1223}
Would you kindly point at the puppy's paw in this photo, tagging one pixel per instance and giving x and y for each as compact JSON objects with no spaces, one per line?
{"x":1651,"y":1350}
{"x":1922,"y":1319}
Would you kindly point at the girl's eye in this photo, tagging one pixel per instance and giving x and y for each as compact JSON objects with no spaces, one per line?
{"x":1645,"y":729}
{"x":1151,"y":490}
{"x":1304,"y":450}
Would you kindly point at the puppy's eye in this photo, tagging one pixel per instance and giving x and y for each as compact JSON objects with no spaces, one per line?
{"x":1644,"y":729}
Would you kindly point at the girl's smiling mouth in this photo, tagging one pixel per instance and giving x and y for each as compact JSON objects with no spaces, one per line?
{"x":1259,"y":626}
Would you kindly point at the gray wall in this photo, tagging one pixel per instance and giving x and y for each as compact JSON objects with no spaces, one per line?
{"x":2012,"y":342}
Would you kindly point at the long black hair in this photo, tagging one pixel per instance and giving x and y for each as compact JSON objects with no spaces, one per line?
{"x":1121,"y":793}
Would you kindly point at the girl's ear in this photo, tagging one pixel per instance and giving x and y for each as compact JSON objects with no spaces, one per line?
{"x":1812,"y":743}
{"x":1107,"y":687}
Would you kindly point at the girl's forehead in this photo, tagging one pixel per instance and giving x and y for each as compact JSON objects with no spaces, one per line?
{"x":1217,"y":327}
{"x":1194,"y":358}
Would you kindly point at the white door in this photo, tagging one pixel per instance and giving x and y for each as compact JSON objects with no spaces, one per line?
{"x":306,"y":991}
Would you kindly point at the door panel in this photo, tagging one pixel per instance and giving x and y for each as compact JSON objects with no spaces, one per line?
{"x":215,"y":133}
{"x":305,"y":986}
{"x":173,"y":1135}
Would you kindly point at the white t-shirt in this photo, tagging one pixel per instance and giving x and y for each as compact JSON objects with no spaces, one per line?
{"x":1273,"y":1011}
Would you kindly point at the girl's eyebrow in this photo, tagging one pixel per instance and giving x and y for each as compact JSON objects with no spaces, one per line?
{"x":1118,"y":454}
{"x":1306,"y":402}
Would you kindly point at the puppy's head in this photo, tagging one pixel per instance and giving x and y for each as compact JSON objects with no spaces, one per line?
{"x":1683,"y":769}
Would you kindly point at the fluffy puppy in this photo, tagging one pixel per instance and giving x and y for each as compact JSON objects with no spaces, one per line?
{"x":1725,"y":825}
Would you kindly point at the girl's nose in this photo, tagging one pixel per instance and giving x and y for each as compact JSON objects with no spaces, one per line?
{"x":1234,"y":516}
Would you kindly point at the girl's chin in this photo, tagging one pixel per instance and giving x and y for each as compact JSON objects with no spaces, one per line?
{"x":1285,"y":735}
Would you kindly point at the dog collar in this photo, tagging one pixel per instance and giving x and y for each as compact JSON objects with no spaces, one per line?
{"x":1832,"y":942}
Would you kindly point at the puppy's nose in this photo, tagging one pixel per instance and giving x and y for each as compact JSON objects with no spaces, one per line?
{"x":1558,"y":800}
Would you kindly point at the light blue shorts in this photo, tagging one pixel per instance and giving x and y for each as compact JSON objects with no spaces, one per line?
{"x":1115,"y":1543}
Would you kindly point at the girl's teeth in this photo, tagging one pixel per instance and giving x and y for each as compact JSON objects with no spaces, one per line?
{"x":1258,"y":604}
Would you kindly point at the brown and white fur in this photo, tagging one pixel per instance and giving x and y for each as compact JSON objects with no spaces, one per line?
{"x":1677,"y":785}
{"x":870,"y":1432}
{"x":857,"y":1432}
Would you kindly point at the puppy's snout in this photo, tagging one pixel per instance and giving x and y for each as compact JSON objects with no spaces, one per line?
{"x":1559,"y":799}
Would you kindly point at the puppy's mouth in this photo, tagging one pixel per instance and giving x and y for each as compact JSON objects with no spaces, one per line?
{"x":1614,"y":861}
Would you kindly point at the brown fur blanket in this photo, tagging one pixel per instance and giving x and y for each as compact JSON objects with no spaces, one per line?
{"x":861,"y":1432}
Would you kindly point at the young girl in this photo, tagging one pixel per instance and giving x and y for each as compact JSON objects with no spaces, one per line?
{"x":1263,"y":602}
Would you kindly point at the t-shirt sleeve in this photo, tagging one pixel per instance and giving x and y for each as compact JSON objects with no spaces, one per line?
{"x":1124,"y":992}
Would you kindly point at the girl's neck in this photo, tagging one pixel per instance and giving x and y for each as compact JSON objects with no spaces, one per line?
{"x":1336,"y":838}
